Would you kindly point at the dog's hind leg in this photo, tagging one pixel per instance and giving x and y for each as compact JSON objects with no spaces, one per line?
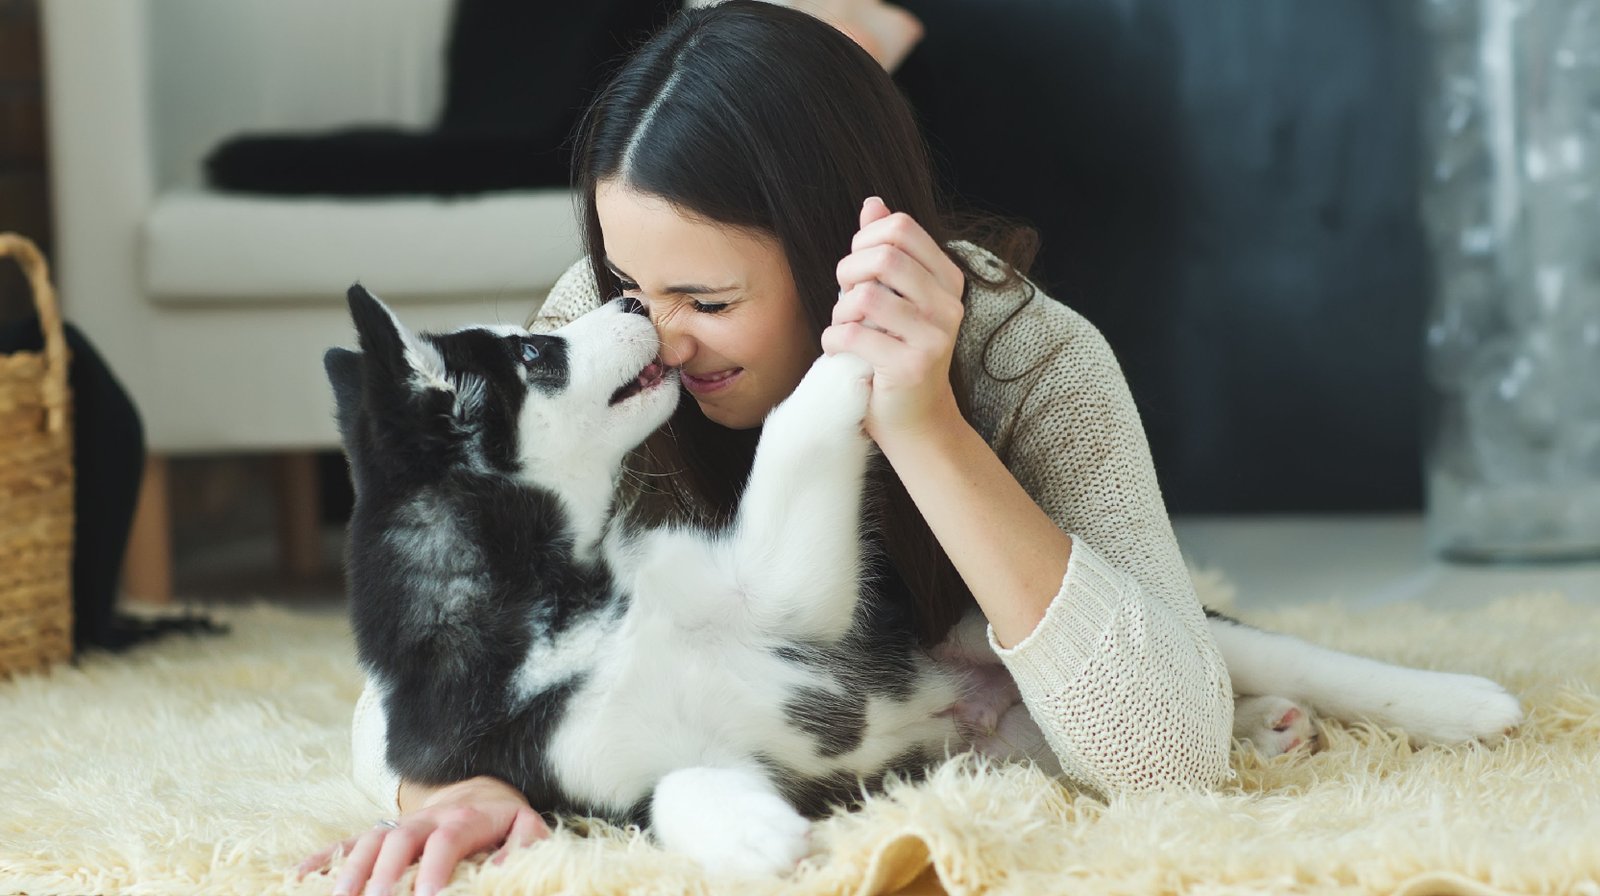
{"x":1441,"y":707}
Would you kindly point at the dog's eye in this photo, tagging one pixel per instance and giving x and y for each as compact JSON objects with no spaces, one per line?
{"x":530,"y":353}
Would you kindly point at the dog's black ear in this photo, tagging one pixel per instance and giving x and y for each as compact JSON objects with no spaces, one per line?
{"x":379,"y":331}
{"x":390,"y":345}
{"x":345,"y":374}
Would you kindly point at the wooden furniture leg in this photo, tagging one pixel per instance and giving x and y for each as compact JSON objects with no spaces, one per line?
{"x":147,"y":569}
{"x":299,"y":518}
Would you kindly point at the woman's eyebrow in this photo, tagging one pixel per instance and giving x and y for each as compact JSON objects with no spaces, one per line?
{"x":688,"y":289}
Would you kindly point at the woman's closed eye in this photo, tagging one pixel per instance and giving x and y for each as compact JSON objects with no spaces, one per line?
{"x":631,"y":289}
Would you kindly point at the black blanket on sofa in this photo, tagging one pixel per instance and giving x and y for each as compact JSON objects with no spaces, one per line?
{"x":518,"y":75}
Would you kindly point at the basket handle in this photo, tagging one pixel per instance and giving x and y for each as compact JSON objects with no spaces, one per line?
{"x":55,"y":338}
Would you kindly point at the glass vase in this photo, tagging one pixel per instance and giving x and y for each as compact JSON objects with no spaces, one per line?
{"x":1510,"y":199}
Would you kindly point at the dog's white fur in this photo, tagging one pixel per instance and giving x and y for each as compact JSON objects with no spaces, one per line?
{"x":682,"y":689}
{"x":1276,"y":674}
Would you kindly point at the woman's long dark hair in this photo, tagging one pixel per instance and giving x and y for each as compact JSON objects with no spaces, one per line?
{"x":761,"y":117}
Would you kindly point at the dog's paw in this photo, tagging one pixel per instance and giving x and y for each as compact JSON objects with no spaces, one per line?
{"x":832,"y":398}
{"x":1449,"y":708}
{"x":1018,"y":738}
{"x":730,"y":821}
{"x":987,"y":693}
{"x":1273,"y":725}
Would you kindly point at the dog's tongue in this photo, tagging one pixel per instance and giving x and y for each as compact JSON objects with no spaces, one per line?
{"x":650,"y":373}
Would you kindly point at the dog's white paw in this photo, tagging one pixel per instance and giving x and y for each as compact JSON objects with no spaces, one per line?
{"x":731,"y":821}
{"x":1449,"y":708}
{"x":832,"y":397}
{"x":1273,"y":725}
{"x":1018,"y":738}
{"x":988,"y":692}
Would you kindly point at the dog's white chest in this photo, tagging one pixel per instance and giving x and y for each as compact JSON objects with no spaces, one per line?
{"x":661,"y":696}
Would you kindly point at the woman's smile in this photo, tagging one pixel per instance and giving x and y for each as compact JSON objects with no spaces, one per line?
{"x":708,"y":383}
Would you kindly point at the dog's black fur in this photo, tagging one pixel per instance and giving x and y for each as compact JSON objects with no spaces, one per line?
{"x":456,"y":564}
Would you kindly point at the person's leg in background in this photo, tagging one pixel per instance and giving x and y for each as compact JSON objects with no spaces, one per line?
{"x":108,"y":453}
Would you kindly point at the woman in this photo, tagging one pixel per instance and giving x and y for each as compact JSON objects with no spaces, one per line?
{"x":757,"y":182}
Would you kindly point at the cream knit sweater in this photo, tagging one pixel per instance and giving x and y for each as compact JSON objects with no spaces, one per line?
{"x":1122,"y":674}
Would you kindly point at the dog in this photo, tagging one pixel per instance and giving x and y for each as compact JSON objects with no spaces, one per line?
{"x":722,"y":688}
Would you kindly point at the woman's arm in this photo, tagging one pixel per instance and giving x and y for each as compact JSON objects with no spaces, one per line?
{"x":1010,"y":554}
{"x":900,"y":308}
{"x":1121,"y":671}
{"x":451,"y":823}
{"x":439,"y":826}
{"x":1066,"y":546}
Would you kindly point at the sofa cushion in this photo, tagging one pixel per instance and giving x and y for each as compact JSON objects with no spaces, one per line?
{"x":205,"y":247}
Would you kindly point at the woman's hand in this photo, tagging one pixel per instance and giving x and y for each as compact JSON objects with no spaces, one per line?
{"x":451,"y":824}
{"x":899,"y":309}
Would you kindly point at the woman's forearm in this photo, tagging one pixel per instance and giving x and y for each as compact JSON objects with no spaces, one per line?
{"x":1008,"y":551}
{"x":413,"y":796}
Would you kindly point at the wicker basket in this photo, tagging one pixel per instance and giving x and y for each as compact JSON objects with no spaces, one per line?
{"x":35,"y":486}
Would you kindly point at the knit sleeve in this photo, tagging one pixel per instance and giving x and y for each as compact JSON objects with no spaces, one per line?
{"x":1121,"y":674}
{"x":369,"y":752}
{"x":573,"y":296}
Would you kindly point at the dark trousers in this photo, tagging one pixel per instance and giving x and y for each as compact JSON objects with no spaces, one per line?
{"x":108,"y":452}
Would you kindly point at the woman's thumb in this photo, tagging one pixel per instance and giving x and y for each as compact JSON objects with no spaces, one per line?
{"x":872,"y":210}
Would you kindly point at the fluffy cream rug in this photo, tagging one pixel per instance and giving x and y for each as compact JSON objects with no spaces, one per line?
{"x":215,"y":765}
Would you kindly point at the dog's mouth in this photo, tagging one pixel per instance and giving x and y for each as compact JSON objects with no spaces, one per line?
{"x":652,"y":375}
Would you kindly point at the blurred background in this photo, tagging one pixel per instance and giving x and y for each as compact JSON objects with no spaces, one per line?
{"x":1229,"y":190}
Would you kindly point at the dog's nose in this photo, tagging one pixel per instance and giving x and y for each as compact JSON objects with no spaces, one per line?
{"x":632,"y":305}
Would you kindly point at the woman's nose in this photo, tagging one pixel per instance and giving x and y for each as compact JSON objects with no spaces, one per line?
{"x":677,"y":345}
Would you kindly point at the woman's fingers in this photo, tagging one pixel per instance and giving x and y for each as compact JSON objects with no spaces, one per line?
{"x":877,"y":348}
{"x":401,"y":847}
{"x":896,"y":269}
{"x":320,"y":860}
{"x":528,"y":829}
{"x":873,"y":209}
{"x":889,"y":265}
{"x":881,"y":309}
{"x":903,"y":232}
{"x":446,"y":847}
{"x":358,"y":864}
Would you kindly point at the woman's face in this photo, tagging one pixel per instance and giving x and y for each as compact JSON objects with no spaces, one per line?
{"x":722,"y":300}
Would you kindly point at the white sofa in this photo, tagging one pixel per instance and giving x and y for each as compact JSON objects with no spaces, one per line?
{"x":215,"y":309}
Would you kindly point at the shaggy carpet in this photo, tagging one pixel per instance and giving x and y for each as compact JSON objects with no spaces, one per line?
{"x":214,"y":765}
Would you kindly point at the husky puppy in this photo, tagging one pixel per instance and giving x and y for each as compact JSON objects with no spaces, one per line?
{"x":720,"y":688}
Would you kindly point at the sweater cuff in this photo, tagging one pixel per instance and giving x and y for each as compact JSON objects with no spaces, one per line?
{"x":1074,"y":625}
